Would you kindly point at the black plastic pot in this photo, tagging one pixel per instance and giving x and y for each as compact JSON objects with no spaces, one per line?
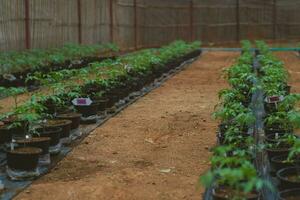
{"x":223,"y":128}
{"x":52,"y":108}
{"x":112,"y":99}
{"x":74,"y":117}
{"x":270,"y":107}
{"x":279,"y":162}
{"x":51,"y":132}
{"x":287,"y":89}
{"x":274,"y":137}
{"x":89,"y":110}
{"x":273,"y":130}
{"x":25,"y":159}
{"x":38,"y":142}
{"x":219,"y":194}
{"x":221,"y":138}
{"x":292,"y":194}
{"x":5,"y":134}
{"x":285,"y":182}
{"x":102,"y":104}
{"x":221,"y":133}
{"x":18,"y":131}
{"x":272,"y":152}
{"x":64,"y":124}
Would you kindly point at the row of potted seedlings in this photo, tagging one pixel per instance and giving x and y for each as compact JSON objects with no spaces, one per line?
{"x":38,"y":127}
{"x":280,"y":121}
{"x":233,"y":174}
{"x":15,"y":66}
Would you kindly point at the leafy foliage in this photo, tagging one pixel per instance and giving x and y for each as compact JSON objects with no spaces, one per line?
{"x":35,"y":59}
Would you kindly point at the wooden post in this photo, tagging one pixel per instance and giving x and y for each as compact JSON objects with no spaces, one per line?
{"x":79,"y":21}
{"x":191,"y":11}
{"x":274,"y":19}
{"x":135,"y":25}
{"x":111,"y":21}
{"x":27,"y":25}
{"x":237,"y":20}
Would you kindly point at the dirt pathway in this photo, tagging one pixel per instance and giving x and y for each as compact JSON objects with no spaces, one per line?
{"x":155,"y":149}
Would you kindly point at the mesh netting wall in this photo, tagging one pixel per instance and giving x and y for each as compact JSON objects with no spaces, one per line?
{"x":143,"y":23}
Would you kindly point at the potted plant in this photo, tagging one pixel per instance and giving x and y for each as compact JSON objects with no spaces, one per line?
{"x":282,"y":147}
{"x":94,"y":90}
{"x":289,"y":178}
{"x":23,"y":159}
{"x":289,"y":194}
{"x":229,"y":156}
{"x":290,"y":160}
{"x":53,"y":81}
{"x":71,"y":113}
{"x":282,"y":122}
{"x":233,"y":114}
{"x":29,"y":111}
{"x":235,"y":183}
{"x":15,"y":122}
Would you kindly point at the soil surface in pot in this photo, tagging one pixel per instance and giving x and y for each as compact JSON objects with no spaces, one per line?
{"x":291,"y":194}
{"x":69,"y":115}
{"x":26,"y":150}
{"x":51,"y":132}
{"x":33,"y":140}
{"x":74,"y":117}
{"x":57,"y":122}
{"x":64,"y":124}
{"x":294,"y":197}
{"x":294,"y":178}
{"x":39,"y":142}
{"x":227,"y":194}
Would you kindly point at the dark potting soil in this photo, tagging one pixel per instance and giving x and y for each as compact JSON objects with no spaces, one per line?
{"x":228,"y":194}
{"x":69,"y":115}
{"x":74,"y":117}
{"x":32,"y":140}
{"x":51,"y":132}
{"x":57,"y":122}
{"x":26,"y":150}
{"x":297,"y":197}
{"x":293,"y":178}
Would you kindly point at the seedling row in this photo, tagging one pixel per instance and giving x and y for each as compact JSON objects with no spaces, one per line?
{"x":258,"y":151}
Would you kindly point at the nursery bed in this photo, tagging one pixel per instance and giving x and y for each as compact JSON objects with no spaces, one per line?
{"x":11,"y":188}
{"x":21,"y":76}
{"x":275,"y":49}
{"x":291,"y":61}
{"x":135,"y":155}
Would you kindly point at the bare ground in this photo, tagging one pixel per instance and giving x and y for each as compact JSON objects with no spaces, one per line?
{"x":292,"y":63}
{"x":155,"y":149}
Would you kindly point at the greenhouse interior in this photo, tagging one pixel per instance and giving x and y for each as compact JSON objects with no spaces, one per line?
{"x":150,"y":99}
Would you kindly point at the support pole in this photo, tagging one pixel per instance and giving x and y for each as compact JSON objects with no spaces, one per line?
{"x":191,"y":11}
{"x":111,"y":21}
{"x":274,"y":19}
{"x":237,"y":20}
{"x":135,"y":25}
{"x":79,"y":21}
{"x":27,"y":25}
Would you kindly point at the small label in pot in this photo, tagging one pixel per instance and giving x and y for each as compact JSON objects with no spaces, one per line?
{"x":274,"y":99}
{"x":82,"y":101}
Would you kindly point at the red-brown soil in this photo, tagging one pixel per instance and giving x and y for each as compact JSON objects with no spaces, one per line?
{"x":292,"y":63}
